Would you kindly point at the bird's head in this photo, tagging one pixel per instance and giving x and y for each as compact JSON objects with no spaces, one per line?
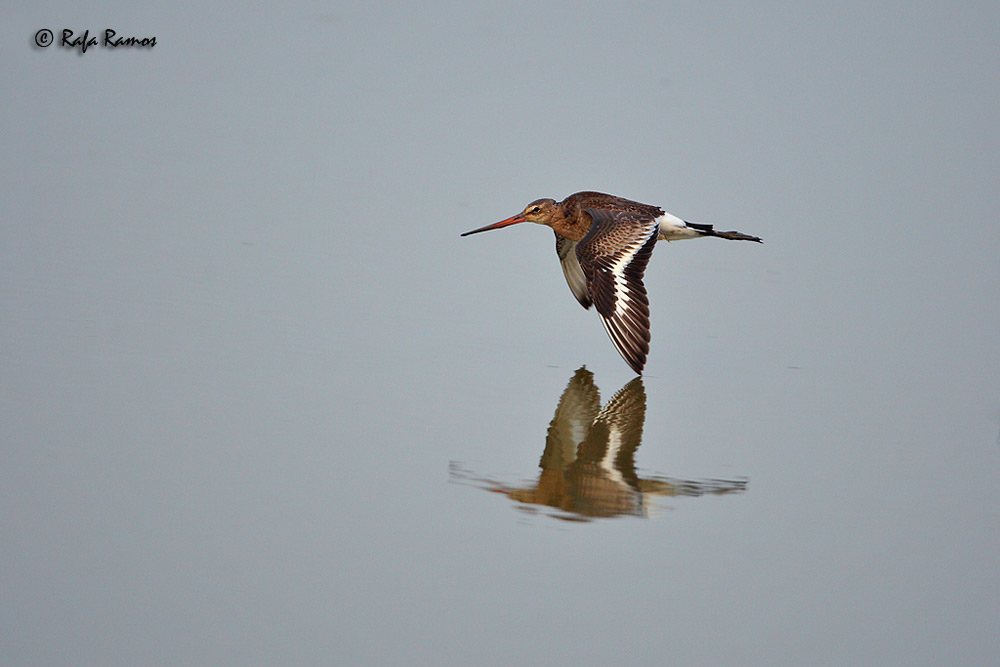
{"x":541,"y":211}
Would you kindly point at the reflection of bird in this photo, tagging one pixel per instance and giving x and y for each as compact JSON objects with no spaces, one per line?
{"x":588,"y":466}
{"x":604,"y":243}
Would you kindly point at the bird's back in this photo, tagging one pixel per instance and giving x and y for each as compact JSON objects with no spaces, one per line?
{"x":577,"y":203}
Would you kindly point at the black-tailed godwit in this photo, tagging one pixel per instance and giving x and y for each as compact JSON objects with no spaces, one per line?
{"x":604,"y":243}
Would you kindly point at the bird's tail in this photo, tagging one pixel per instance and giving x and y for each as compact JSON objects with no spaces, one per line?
{"x":709,"y":230}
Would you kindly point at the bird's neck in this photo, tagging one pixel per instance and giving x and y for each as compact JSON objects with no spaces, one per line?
{"x":572,"y":223}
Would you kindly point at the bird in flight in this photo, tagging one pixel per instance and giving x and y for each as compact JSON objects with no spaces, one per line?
{"x":604,"y":243}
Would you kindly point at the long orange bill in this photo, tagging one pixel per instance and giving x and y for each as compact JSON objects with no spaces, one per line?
{"x":497,"y":225}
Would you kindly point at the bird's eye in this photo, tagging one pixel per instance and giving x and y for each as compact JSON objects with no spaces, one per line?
{"x":536,"y":210}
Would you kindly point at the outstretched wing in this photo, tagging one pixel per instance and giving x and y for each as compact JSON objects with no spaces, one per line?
{"x":566,"y":250}
{"x":613,"y":256}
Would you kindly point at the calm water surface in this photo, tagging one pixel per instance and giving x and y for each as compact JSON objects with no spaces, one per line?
{"x":261,"y":404}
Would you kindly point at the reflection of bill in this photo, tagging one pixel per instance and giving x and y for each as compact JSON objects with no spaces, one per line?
{"x":588,"y":466}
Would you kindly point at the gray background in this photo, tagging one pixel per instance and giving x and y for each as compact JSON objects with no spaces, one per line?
{"x":242,"y":344}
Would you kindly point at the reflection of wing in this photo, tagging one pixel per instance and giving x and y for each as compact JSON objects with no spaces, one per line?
{"x":617,"y":430}
{"x":603,"y":476}
{"x":578,"y":406}
{"x":566,"y":250}
{"x":613,"y":256}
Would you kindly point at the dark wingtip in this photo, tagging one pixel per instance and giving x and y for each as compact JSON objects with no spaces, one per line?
{"x":637,"y":364}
